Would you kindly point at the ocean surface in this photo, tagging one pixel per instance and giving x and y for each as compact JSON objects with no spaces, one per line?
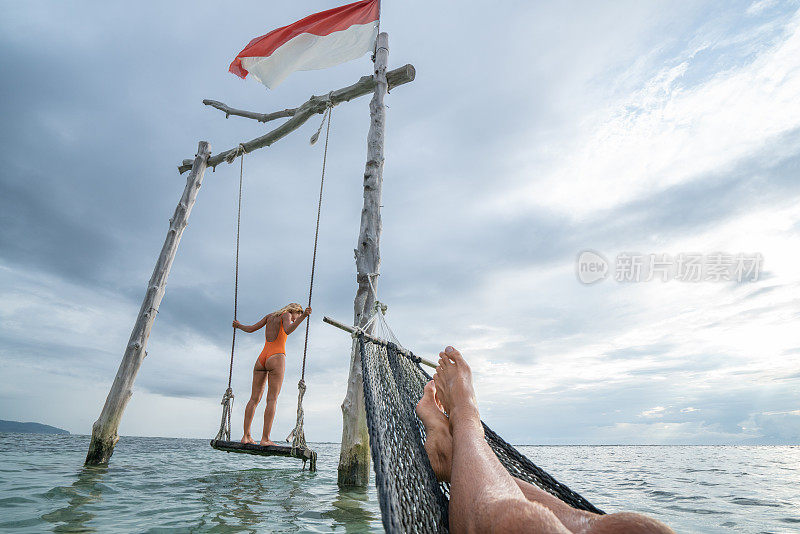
{"x":166,"y":485}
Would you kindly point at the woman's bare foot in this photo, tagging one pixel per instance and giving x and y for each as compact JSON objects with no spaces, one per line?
{"x":438,"y":441}
{"x":453,"y":380}
{"x":248,"y":439}
{"x":266,"y":442}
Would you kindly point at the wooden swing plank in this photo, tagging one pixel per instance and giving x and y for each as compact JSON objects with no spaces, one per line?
{"x":266,"y":450}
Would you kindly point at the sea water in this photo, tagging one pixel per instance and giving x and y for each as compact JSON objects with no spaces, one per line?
{"x":166,"y":485}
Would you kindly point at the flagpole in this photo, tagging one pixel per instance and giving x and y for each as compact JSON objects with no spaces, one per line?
{"x":354,"y":454}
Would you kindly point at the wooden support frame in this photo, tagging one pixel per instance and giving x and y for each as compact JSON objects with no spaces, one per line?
{"x":354,"y":455}
{"x":104,"y":430}
{"x":300,"y":114}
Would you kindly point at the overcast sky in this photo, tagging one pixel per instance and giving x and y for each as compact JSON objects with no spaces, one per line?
{"x":532,"y":132}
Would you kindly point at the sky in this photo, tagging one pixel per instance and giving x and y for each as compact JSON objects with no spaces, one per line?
{"x":532,"y":133}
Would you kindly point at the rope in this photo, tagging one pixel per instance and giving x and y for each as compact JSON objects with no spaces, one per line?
{"x":236,"y":269}
{"x":316,"y":237}
{"x":297,"y":435}
{"x":227,"y":398}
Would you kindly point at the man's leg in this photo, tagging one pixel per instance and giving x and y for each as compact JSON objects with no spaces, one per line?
{"x":582,"y":521}
{"x":439,"y":446}
{"x":483,"y":496}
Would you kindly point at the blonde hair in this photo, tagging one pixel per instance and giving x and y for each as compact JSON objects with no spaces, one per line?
{"x":292,"y":307}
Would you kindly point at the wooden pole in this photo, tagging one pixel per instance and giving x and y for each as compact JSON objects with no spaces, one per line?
{"x":354,"y":454}
{"x":104,"y":430}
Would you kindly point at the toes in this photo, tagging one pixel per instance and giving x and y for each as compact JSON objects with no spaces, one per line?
{"x":453,"y":354}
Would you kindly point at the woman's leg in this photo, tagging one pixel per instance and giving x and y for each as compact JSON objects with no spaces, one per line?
{"x":275,"y":366}
{"x":259,"y":381}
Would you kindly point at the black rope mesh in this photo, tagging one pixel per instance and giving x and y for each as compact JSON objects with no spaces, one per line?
{"x":410,"y":497}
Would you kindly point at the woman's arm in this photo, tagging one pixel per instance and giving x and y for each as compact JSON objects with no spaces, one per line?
{"x":288,"y":325}
{"x":251,"y":328}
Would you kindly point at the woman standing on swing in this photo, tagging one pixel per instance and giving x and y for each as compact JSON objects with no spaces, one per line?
{"x":271,"y":364}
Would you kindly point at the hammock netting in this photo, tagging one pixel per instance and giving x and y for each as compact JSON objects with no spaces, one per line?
{"x":410,"y":497}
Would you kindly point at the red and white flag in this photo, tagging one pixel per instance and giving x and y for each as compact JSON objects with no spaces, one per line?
{"x":318,"y":41}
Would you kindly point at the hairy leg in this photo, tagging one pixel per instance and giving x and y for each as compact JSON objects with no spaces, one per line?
{"x":628,"y":523}
{"x":439,"y":446}
{"x":257,"y":391}
{"x":483,"y":496}
{"x":276,"y":366}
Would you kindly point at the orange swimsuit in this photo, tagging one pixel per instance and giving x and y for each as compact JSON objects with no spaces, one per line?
{"x":271,"y":348}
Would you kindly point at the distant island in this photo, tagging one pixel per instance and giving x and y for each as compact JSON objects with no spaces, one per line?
{"x":29,"y":428}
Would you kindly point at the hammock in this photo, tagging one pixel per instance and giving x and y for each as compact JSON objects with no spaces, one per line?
{"x":410,"y":497}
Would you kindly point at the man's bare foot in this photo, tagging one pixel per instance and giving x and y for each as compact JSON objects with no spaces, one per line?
{"x":266,"y":442}
{"x":248,"y":439}
{"x":453,"y":380}
{"x":438,"y":441}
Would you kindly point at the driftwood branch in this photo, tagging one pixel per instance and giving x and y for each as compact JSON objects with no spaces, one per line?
{"x":104,"y":430}
{"x":260,"y":117}
{"x":354,"y":454}
{"x":314,"y":105}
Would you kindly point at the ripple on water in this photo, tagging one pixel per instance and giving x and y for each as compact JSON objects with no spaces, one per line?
{"x":744,"y":501}
{"x":14,"y":501}
{"x":156,"y":485}
{"x":700,"y":511}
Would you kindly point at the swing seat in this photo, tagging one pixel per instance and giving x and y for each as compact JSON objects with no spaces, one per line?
{"x":302,"y":453}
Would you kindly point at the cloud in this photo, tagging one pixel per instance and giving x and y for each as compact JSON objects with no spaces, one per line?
{"x":656,"y":412}
{"x":669,"y":133}
{"x":676,"y":132}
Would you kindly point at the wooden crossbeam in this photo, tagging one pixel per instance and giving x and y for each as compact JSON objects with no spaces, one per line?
{"x":300,"y":114}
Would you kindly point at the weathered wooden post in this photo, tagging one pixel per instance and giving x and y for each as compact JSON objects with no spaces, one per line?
{"x":104,"y":430}
{"x":354,"y":455}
